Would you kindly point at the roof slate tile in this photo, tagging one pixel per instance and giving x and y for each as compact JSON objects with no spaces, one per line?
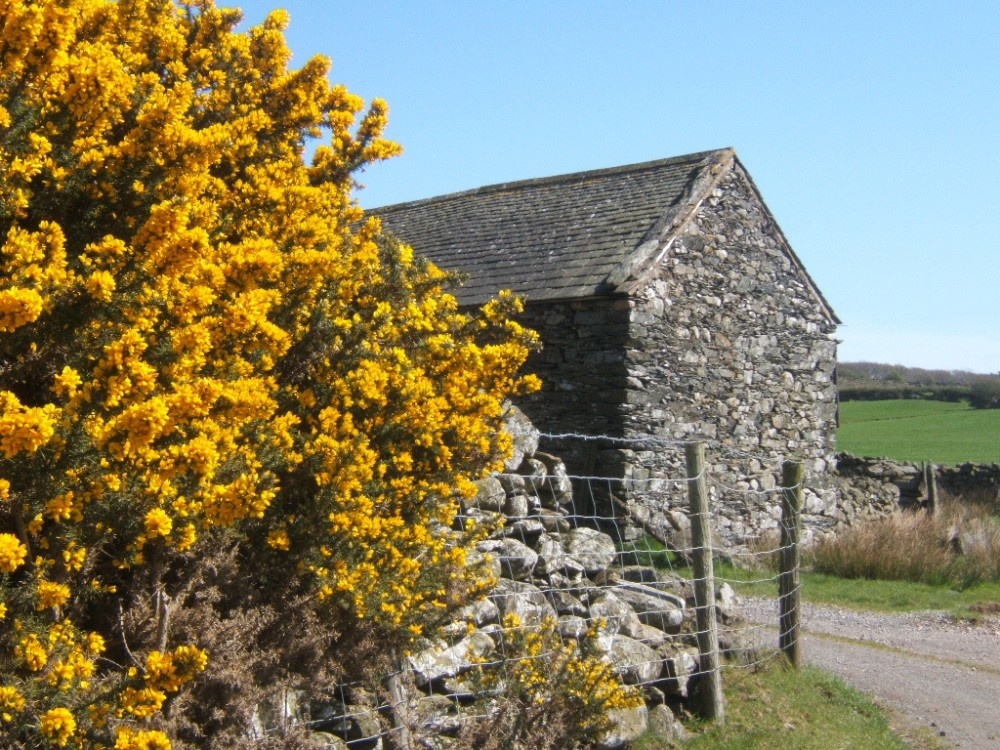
{"x":552,"y":238}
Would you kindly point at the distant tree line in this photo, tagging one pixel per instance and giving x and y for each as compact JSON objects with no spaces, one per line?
{"x":874,"y":381}
{"x":878,"y":372}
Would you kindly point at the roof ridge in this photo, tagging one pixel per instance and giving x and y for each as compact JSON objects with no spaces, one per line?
{"x":555,"y":179}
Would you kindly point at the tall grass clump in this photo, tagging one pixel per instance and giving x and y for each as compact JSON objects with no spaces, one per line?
{"x":958,"y":546}
{"x":974,"y":527}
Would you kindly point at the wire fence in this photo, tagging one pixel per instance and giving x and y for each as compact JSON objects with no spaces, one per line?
{"x":658,"y":610}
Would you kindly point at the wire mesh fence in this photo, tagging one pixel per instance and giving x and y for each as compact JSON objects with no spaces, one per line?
{"x":589,"y":601}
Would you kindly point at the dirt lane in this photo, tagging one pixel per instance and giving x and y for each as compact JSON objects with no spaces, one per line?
{"x":957,"y":702}
{"x":935,"y":672}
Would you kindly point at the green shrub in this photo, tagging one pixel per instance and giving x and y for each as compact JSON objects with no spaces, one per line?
{"x":985,"y":393}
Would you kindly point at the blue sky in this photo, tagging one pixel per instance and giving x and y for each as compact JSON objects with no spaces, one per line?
{"x":871,"y":128}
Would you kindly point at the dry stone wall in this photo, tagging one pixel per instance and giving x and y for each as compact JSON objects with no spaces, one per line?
{"x":552,"y":568}
{"x":971,"y":480}
{"x":879,"y":485}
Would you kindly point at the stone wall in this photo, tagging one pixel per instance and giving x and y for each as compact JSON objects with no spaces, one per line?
{"x":971,"y":481}
{"x":554,"y":574}
{"x":726,"y":342}
{"x":582,"y":367}
{"x":876,"y":485}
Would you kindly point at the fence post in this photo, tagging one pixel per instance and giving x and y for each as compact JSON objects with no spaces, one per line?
{"x":712,"y":706}
{"x":789,"y":593}
{"x":930,"y":482}
{"x":400,"y":708}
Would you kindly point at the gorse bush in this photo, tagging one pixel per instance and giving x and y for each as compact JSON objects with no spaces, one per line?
{"x":234,"y":420}
{"x":556,"y":694}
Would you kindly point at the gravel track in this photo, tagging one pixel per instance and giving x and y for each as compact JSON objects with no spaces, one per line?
{"x":930,"y":669}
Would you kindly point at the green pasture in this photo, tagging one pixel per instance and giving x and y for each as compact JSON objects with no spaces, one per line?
{"x":916,"y":430}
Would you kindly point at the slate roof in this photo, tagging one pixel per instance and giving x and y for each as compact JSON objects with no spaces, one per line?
{"x":566,"y":237}
{"x":551,"y":238}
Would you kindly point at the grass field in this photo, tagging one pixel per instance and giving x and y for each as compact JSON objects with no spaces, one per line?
{"x":915,"y":430}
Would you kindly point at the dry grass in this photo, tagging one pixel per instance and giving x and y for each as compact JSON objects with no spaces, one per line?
{"x":960,"y":545}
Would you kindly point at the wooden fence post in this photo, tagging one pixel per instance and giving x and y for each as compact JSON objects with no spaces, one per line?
{"x":713,"y":703}
{"x":789,"y":593}
{"x":930,"y":482}
{"x":400,"y":708}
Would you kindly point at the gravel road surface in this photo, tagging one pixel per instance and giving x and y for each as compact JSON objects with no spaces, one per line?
{"x":932,"y":670}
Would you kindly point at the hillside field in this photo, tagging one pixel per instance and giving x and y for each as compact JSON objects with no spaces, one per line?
{"x":916,"y":430}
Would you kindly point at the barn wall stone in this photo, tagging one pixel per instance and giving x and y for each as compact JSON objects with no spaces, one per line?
{"x":725,"y":342}
{"x":584,"y":377}
{"x":729,"y":344}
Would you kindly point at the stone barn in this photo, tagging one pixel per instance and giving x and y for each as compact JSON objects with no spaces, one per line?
{"x":671,"y":307}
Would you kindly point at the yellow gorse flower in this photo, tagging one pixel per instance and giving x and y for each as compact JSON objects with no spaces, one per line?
{"x":51,"y":595}
{"x":158,"y":523}
{"x":18,"y":307}
{"x":12,"y":553}
{"x":127,"y":739}
{"x":205,"y":341}
{"x":11,"y":702}
{"x":24,"y":429}
{"x":58,"y":726}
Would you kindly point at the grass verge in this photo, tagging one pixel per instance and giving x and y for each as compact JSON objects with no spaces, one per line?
{"x":968,"y":603}
{"x":781,"y":709}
